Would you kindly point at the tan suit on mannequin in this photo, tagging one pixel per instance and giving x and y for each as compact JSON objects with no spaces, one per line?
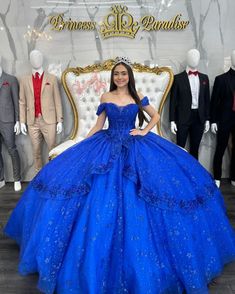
{"x":50,"y":100}
{"x":44,"y":126}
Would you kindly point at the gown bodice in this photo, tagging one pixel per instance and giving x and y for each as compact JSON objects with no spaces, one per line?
{"x":121,"y":118}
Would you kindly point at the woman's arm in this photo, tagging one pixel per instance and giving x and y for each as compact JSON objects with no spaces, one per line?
{"x":151,"y":111}
{"x":100,"y":120}
{"x":99,"y":124}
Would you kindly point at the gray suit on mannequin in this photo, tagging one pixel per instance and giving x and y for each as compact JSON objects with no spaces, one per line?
{"x":9,"y":123}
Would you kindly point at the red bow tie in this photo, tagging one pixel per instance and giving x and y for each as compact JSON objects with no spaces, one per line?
{"x":193,"y":73}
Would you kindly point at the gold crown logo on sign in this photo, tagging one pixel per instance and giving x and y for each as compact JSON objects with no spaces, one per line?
{"x":119,"y":23}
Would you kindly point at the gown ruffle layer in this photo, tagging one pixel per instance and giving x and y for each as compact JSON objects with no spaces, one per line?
{"x":122,"y":214}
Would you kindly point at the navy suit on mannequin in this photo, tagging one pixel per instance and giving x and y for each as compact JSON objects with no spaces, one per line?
{"x":223,"y":120}
{"x":190,"y":105}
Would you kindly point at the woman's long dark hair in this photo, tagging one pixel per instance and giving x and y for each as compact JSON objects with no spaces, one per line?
{"x":132,"y":91}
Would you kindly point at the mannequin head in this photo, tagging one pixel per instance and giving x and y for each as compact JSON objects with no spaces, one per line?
{"x":36,"y":59}
{"x":233,"y":58}
{"x":193,"y":58}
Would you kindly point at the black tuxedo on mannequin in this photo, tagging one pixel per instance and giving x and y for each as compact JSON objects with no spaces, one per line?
{"x":189,"y":121}
{"x":223,"y":114}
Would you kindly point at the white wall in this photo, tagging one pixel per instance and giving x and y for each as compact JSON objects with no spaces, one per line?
{"x":211,"y":30}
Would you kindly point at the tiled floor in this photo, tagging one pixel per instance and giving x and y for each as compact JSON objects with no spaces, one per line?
{"x":12,"y":283}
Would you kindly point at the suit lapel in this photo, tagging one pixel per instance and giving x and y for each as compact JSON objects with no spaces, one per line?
{"x":200,"y":87}
{"x":44,"y":81}
{"x":30,"y":81}
{"x":229,"y":82}
{"x":2,"y":79}
{"x":186,"y":81}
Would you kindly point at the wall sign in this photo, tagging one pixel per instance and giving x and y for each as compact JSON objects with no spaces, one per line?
{"x":119,"y":23}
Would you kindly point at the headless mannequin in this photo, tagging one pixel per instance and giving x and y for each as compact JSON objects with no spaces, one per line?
{"x":214,"y":126}
{"x":17,"y":184}
{"x":36,"y":60}
{"x":193,"y":58}
{"x":17,"y":124}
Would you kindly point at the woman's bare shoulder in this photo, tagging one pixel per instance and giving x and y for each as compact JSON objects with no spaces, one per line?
{"x":106,"y":97}
{"x":141,"y":96}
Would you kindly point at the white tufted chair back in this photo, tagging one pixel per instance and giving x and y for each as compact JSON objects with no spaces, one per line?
{"x":84,"y":86}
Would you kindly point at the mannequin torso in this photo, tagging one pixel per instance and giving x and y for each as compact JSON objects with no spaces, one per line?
{"x":190,"y":98}
{"x":9,"y":122}
{"x":36,"y":61}
{"x":192,"y":59}
{"x":223,"y":118}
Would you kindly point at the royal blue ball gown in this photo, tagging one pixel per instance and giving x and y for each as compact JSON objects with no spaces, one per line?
{"x":122,"y":214}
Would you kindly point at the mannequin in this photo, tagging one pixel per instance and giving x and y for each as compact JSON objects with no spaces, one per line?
{"x":9,"y":123}
{"x":190,"y":104}
{"x":40,"y":107}
{"x":223,"y":119}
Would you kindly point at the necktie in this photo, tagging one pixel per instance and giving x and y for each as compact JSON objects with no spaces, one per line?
{"x":193,"y":73}
{"x":37,"y":76}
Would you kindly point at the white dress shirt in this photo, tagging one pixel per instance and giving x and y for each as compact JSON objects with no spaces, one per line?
{"x":40,"y":71}
{"x":195,"y":87}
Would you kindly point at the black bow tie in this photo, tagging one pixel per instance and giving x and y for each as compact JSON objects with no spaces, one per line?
{"x":193,"y":73}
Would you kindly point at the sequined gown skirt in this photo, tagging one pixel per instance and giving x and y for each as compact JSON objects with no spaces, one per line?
{"x":115,"y":215}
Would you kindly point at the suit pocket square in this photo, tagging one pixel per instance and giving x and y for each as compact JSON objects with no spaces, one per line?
{"x":6,"y":83}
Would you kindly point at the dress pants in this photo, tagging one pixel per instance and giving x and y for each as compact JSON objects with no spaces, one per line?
{"x":194,"y":129}
{"x":223,"y":134}
{"x":39,"y":130}
{"x":7,"y":136}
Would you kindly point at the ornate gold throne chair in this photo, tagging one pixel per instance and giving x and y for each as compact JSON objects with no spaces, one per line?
{"x":84,"y":87}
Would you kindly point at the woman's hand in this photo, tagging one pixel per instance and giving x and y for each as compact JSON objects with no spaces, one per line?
{"x":135,"y":132}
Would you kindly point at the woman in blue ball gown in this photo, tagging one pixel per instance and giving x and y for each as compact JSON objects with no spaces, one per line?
{"x":123,"y":211}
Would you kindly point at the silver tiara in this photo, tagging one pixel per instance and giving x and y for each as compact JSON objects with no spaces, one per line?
{"x":123,"y":59}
